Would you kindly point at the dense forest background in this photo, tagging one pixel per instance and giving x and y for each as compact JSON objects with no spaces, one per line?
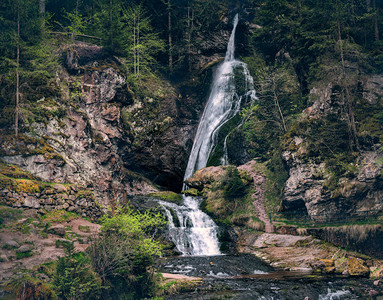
{"x":160,"y":36}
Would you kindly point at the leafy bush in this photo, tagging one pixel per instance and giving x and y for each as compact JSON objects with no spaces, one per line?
{"x":232,"y":184}
{"x":20,"y":255}
{"x":75,"y":278}
{"x":124,"y":251}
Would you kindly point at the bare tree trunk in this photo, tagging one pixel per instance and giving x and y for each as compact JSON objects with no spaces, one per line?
{"x":111,"y":23}
{"x":42,"y":15}
{"x":351,"y":121}
{"x":138,"y":46}
{"x":376,"y":24}
{"x":134,"y":47}
{"x":189,"y":36}
{"x":17,"y":74}
{"x":276,"y":102}
{"x":340,"y":44}
{"x":170,"y":37}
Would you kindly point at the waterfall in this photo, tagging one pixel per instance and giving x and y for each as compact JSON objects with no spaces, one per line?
{"x":192,"y":231}
{"x":223,"y":104}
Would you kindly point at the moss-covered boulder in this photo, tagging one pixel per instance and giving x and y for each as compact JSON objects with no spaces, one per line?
{"x":357,"y":267}
{"x":205,"y":176}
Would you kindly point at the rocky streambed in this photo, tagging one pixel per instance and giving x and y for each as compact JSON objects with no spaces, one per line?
{"x":275,"y":266}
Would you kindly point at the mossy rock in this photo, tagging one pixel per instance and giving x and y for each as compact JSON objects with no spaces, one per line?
{"x":191,"y":192}
{"x":14,"y":171}
{"x":85,"y":194}
{"x":168,"y":196}
{"x":21,"y":185}
{"x":356,"y":267}
{"x":84,"y":228}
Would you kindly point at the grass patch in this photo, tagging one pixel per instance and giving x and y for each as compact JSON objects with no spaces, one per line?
{"x":59,"y":216}
{"x":84,"y":228}
{"x":62,"y":243}
{"x":9,"y":214}
{"x":21,"y":255}
{"x":85,"y":194}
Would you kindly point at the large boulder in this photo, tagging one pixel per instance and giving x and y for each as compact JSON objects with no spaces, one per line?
{"x":205,"y":176}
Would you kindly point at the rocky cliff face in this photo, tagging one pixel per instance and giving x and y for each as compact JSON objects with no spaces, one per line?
{"x":99,"y":133}
{"x":82,"y":145}
{"x":333,"y":171}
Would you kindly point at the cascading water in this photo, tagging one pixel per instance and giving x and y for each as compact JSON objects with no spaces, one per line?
{"x":192,"y":231}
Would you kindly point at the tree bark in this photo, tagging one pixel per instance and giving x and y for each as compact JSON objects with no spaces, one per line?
{"x":111,"y":23}
{"x":376,"y":24}
{"x":42,"y":15}
{"x":340,"y":45}
{"x":276,"y":102}
{"x":17,"y":74}
{"x":170,"y":37}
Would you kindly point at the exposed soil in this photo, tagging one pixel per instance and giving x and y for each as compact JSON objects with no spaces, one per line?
{"x":259,"y":194}
{"x":42,"y":244}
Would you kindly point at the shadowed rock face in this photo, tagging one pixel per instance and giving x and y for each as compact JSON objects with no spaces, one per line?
{"x":307,"y":188}
{"x":367,"y":239}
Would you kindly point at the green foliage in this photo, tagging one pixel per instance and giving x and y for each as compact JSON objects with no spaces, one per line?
{"x":28,"y":287}
{"x":74,"y":278}
{"x":21,"y":255}
{"x":84,"y":228}
{"x":136,"y":226}
{"x":140,"y":43}
{"x":125,"y":250}
{"x":232,"y":184}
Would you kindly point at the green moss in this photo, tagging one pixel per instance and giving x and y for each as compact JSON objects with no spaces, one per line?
{"x":85,"y":194}
{"x":21,"y":255}
{"x":168,"y":196}
{"x":84,"y":228}
{"x":28,"y":284}
{"x":191,"y":192}
{"x":62,"y":243}
{"x":14,"y":172}
{"x":22,"y":185}
{"x":9,"y":213}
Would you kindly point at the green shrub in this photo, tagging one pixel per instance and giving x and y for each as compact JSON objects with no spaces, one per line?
{"x":232,"y":184}
{"x":75,"y":278}
{"x":124,"y":251}
{"x":20,"y":255}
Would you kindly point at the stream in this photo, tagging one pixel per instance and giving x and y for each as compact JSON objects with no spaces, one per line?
{"x":244,"y":276}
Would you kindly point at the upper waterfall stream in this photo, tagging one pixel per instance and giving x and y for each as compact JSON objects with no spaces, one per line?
{"x":194,"y":232}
